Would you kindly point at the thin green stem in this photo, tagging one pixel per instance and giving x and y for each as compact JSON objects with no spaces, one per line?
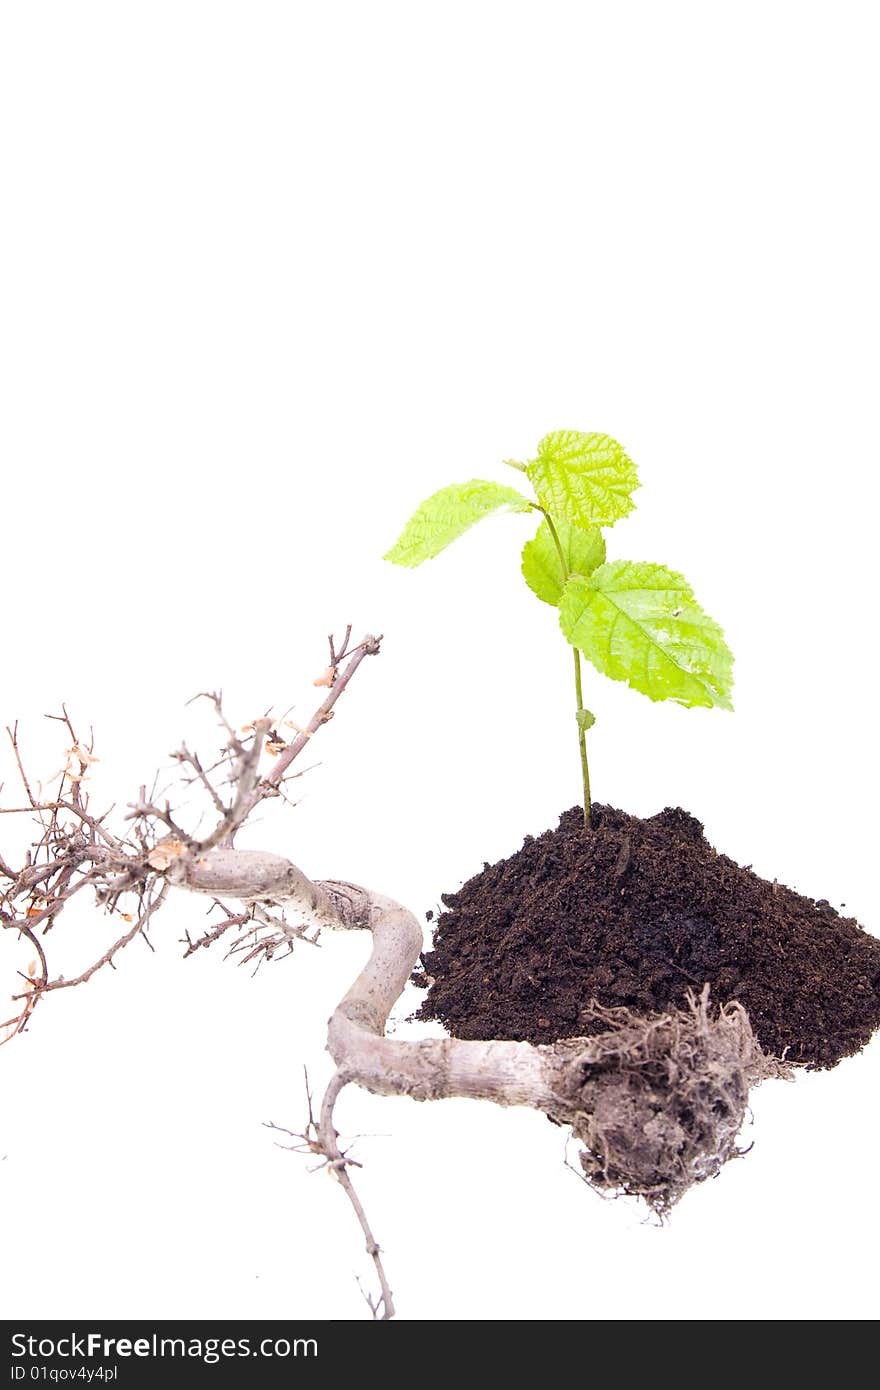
{"x":582,"y":737}
{"x":582,"y":741}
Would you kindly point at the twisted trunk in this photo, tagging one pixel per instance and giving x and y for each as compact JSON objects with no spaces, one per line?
{"x":658,"y":1102}
{"x":508,"y":1073}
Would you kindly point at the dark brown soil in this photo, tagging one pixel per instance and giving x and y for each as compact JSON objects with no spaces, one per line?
{"x":636,"y":913}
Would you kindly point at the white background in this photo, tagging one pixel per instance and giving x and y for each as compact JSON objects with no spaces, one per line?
{"x":272,"y":273}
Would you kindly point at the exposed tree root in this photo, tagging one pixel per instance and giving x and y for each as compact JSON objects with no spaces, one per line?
{"x":660,"y":1100}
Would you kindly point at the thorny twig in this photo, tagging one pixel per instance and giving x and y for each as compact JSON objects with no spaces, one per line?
{"x":268,"y":934}
{"x":231,"y":919}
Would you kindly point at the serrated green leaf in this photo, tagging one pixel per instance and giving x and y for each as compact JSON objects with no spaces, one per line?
{"x":587,"y":479}
{"x":541,"y":566}
{"x":448,"y":514}
{"x":585,"y":719}
{"x":640,"y":623}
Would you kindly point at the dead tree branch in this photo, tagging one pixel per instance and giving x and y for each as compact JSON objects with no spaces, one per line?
{"x":656,"y":1103}
{"x":131,"y":873}
{"x":321,"y":1138}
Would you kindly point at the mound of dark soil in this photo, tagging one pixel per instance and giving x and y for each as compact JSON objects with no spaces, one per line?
{"x":637,"y":913}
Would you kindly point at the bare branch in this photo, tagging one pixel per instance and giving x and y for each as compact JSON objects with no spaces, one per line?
{"x":320,"y":1137}
{"x":13,"y":737}
{"x":339,"y":1162}
{"x":368,"y":647}
{"x":246,"y":778}
{"x":75,"y":849}
{"x":184,"y":756}
{"x":151,"y":906}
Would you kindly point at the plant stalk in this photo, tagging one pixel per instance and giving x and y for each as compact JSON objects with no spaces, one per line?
{"x":582,"y":741}
{"x":578,"y":687}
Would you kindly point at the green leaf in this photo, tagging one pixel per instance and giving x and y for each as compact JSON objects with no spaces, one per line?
{"x":541,"y":566}
{"x":447,"y":515}
{"x":640,"y":623}
{"x":587,"y":479}
{"x":585,"y":719}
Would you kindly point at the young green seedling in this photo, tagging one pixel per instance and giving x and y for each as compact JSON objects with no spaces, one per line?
{"x":636,"y":622}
